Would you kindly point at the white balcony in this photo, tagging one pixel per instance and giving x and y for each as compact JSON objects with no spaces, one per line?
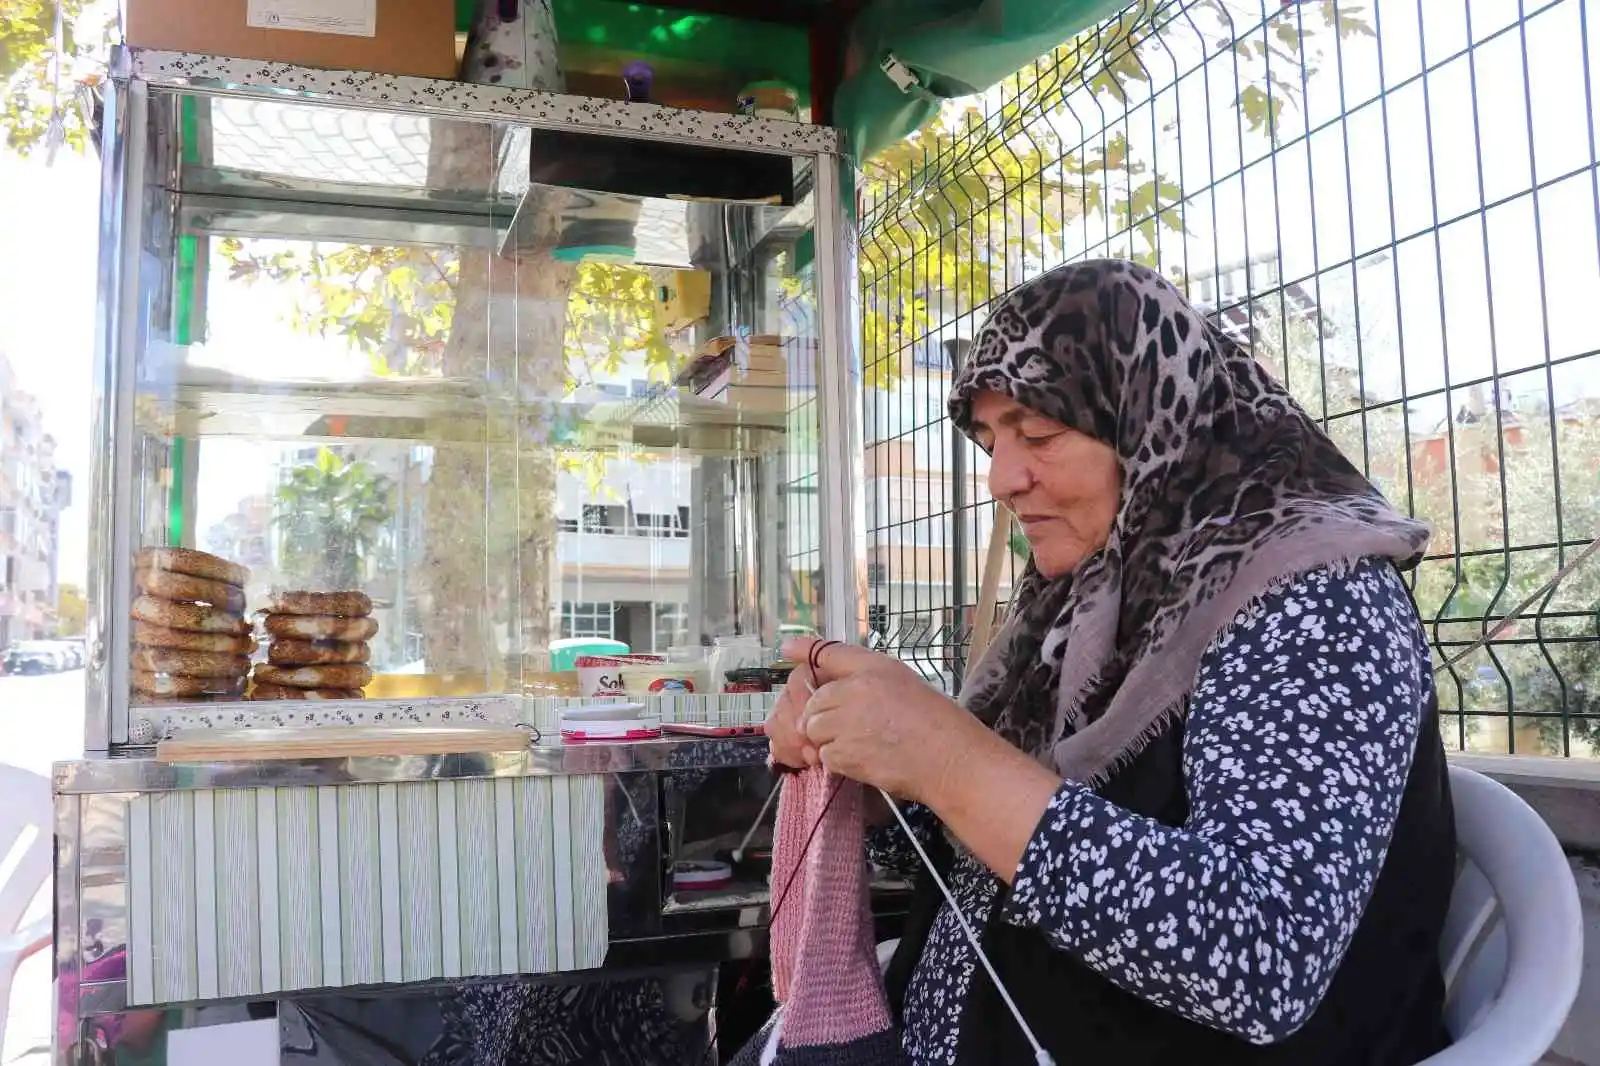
{"x":615,"y":554}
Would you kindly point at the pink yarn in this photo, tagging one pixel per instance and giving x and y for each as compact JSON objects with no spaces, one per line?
{"x":826,"y":971}
{"x":794,"y":820}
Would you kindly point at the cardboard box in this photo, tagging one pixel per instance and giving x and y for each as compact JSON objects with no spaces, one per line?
{"x":759,"y":399}
{"x":684,"y":300}
{"x":384,"y":36}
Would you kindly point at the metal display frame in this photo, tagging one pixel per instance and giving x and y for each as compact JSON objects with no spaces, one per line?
{"x":130,"y":154}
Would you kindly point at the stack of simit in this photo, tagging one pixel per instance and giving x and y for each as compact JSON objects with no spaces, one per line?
{"x":190,"y":639}
{"x":318,"y":647}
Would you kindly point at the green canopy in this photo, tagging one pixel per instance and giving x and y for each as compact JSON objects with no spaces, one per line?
{"x":954,"y":47}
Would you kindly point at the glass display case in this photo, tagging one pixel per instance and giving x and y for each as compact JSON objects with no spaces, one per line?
{"x":419,"y":402}
{"x":419,"y":391}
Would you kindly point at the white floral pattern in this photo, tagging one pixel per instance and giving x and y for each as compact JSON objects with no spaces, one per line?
{"x":1299,"y":739}
{"x":468,"y":101}
{"x":158,"y":723}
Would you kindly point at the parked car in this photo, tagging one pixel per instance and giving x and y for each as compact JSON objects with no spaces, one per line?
{"x":73,"y":650}
{"x":34,"y":657}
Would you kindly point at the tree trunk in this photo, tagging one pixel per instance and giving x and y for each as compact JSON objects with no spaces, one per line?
{"x":487,"y":575}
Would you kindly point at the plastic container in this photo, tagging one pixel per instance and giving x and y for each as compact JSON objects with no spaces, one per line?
{"x":564,"y":653}
{"x":657,"y":679}
{"x":735,"y":653}
{"x":750,"y":679}
{"x":701,"y":875}
{"x":587,"y":731}
{"x":615,"y":721}
{"x":601,"y":675}
{"x":621,"y":711}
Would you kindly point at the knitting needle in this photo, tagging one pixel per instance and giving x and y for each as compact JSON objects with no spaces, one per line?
{"x":738,"y":852}
{"x":1041,"y":1057}
{"x":623,"y":788}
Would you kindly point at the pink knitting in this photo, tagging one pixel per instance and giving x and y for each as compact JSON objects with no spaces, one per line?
{"x":837,"y":992}
{"x":824,"y":964}
{"x":796,"y":815}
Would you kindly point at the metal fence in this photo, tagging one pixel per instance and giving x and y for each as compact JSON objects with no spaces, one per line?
{"x":1395,"y":208}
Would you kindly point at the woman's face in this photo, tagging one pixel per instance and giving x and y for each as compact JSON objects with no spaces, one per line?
{"x":1062,"y":485}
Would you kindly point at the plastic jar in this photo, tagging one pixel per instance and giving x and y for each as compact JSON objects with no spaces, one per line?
{"x":749,"y":679}
{"x":735,"y":653}
{"x":663,"y":679}
{"x":601,"y":675}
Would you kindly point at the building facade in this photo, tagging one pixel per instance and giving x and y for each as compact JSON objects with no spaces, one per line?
{"x":32,"y":495}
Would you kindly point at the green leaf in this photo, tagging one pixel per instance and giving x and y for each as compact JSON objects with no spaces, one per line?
{"x":27,"y":44}
{"x":1351,"y":24}
{"x":1260,"y":110}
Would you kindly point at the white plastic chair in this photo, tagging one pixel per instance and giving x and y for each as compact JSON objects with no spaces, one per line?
{"x":1513,"y":942}
{"x":26,"y":818}
{"x":1512,"y":952}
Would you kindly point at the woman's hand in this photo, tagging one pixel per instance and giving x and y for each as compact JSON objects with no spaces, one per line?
{"x":872,"y":719}
{"x":788,"y":745}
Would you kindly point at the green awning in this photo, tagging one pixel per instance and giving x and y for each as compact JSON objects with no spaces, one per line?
{"x":701,"y":60}
{"x":955,"y":48}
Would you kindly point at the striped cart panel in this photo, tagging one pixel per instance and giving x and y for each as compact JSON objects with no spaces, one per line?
{"x":244,"y":892}
{"x":543,"y":713}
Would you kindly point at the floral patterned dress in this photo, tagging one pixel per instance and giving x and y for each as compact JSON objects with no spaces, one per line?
{"x":1299,"y":739}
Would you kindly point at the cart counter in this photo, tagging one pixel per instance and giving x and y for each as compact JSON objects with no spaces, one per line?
{"x":225,"y":881}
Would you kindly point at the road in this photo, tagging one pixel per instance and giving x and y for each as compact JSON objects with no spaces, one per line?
{"x":41,"y":721}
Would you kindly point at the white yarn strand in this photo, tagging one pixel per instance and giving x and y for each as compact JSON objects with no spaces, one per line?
{"x":1040,"y":1056}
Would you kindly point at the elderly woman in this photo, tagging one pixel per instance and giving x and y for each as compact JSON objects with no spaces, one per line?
{"x":1193,"y":799}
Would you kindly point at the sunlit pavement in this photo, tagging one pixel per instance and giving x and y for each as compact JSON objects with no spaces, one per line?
{"x":41,"y":721}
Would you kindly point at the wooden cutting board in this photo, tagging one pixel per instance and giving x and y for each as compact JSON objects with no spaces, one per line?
{"x":337,"y":742}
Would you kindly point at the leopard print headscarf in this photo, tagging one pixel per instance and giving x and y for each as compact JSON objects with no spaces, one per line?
{"x":1227,"y":488}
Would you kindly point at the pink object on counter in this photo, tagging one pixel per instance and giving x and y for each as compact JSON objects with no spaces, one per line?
{"x":590,"y":732}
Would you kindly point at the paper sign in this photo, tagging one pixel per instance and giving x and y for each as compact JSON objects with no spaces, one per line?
{"x":353,"y":18}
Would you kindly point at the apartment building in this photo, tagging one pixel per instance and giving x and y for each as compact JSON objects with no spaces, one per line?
{"x":624,"y":548}
{"x":32,"y":495}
